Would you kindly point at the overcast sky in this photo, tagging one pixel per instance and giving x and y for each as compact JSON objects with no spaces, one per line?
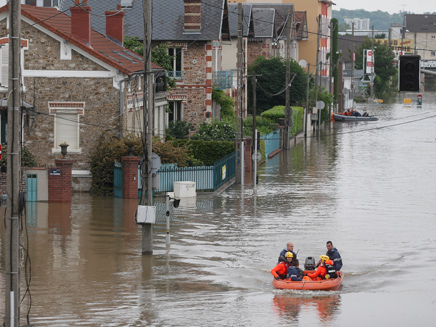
{"x":391,"y":6}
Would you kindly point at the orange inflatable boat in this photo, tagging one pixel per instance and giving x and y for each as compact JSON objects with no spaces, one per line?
{"x":324,"y":285}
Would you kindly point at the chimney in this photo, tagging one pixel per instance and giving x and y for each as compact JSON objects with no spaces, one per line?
{"x":81,"y":21}
{"x":115,"y":24}
{"x":192,"y":16}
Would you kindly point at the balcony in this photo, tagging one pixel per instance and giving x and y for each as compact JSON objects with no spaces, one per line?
{"x":175,"y":74}
{"x":223,"y":79}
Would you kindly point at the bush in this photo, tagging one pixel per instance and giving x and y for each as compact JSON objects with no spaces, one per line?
{"x":278,"y":112}
{"x":27,"y":158}
{"x":110,"y":149}
{"x":226,"y":103}
{"x":207,"y":152}
{"x":215,"y":131}
{"x":179,"y":129}
{"x":263,"y":125}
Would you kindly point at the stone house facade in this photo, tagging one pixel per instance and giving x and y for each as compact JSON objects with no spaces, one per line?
{"x":75,"y":79}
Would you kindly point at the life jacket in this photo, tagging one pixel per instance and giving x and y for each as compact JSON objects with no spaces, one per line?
{"x":331,"y":270}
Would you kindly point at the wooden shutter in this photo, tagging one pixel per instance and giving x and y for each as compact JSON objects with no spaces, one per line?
{"x":67,"y":130}
{"x":4,"y":74}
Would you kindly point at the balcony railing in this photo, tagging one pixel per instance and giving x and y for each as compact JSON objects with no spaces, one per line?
{"x":223,"y":79}
{"x":175,"y":74}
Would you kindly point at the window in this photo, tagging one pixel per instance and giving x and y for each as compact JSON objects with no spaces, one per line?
{"x":127,"y":4}
{"x":175,"y":111}
{"x":4,"y":75}
{"x":66,"y":124}
{"x":42,"y":3}
{"x":176,"y":64}
{"x":51,"y":3}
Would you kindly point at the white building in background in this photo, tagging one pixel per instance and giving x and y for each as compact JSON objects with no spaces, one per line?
{"x":360,"y":24}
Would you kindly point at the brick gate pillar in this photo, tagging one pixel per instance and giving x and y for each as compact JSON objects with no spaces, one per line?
{"x":60,"y":181}
{"x":130,"y":176}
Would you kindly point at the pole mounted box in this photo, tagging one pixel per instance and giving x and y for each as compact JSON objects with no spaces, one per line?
{"x":146,"y":215}
{"x":409,"y":73}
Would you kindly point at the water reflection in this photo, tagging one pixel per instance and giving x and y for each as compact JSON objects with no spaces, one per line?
{"x":368,"y":188}
{"x":289,"y":306}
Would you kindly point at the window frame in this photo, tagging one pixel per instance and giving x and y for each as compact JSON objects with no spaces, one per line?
{"x":174,"y":116}
{"x":176,"y":72}
{"x":59,"y":110}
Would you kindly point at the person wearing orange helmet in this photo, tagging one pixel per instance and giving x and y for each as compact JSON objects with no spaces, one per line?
{"x":281,"y":270}
{"x":321,"y":271}
{"x":289,"y":248}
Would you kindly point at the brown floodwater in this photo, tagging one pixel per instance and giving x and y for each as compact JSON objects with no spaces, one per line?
{"x":369,"y":187}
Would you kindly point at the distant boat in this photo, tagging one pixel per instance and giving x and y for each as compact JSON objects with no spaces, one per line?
{"x":339,"y":117}
{"x":314,"y":285}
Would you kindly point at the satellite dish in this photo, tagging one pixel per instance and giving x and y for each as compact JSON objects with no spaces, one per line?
{"x":302,"y":63}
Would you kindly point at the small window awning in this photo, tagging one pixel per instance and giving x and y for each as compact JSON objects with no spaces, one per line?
{"x":4,"y":104}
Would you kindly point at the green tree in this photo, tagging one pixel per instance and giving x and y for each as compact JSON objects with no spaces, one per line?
{"x":384,"y":67}
{"x":159,"y":54}
{"x":271,"y":83}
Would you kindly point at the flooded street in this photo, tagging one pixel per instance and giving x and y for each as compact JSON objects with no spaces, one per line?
{"x":369,"y":187}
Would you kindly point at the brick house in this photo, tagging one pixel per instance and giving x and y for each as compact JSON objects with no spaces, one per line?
{"x":77,"y":80}
{"x":195,"y":33}
{"x":194,"y":30}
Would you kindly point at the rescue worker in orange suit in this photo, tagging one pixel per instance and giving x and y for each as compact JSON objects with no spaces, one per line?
{"x":281,"y":270}
{"x":321,"y":271}
{"x":348,"y":113}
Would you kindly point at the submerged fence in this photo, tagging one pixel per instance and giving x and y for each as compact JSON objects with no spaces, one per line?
{"x":207,"y":178}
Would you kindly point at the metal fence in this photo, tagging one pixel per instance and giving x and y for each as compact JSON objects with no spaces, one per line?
{"x":207,"y":178}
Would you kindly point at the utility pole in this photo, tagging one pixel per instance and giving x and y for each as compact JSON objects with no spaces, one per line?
{"x":307,"y":101}
{"x":414,"y":42}
{"x":390,"y":38}
{"x":239,"y":169}
{"x":372,"y":65}
{"x":147,"y":134}
{"x":13,"y":214}
{"x":317,"y":64}
{"x":255,"y":140}
{"x":352,"y":61}
{"x":288,"y":113}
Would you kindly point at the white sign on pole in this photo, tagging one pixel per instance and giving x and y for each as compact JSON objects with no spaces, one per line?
{"x":369,"y":61}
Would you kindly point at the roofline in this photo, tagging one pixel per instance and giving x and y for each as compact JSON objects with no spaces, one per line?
{"x":71,"y":39}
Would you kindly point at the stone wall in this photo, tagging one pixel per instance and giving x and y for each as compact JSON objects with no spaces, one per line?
{"x":101,"y":99}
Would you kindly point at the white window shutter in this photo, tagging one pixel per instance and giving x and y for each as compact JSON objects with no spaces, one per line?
{"x":4,"y":74}
{"x":67,"y":130}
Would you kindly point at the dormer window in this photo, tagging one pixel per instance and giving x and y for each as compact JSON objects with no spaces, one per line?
{"x":126,"y":4}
